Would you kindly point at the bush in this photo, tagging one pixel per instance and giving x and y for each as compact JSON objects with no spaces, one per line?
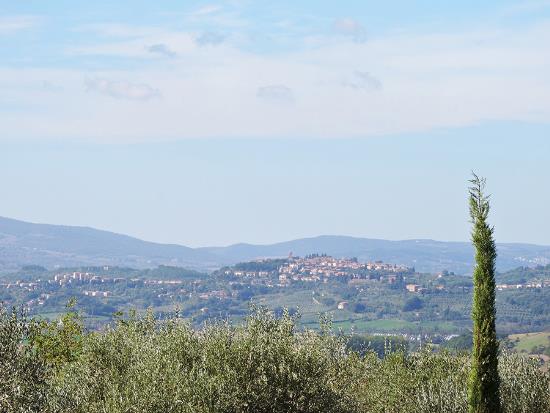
{"x":59,"y":342}
{"x":23,"y":375}
{"x":245,"y":295}
{"x":144,"y":365}
{"x":381,"y":346}
{"x":359,"y":308}
{"x":437,"y":382}
{"x":413,"y":304}
{"x":461,"y":343}
{"x":264,"y":366}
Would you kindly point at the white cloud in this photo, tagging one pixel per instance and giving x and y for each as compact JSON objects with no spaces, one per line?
{"x":207,"y":10}
{"x":438,"y":80}
{"x":121,"y":89}
{"x":218,"y":17}
{"x":51,"y":87}
{"x":210,"y":39}
{"x":351,"y":27}
{"x":275,"y":94}
{"x":134,"y":41}
{"x":527,"y":6}
{"x":161,"y":49}
{"x":363,"y":81}
{"x":117,"y":30}
{"x":175,"y":43}
{"x":12,"y":24}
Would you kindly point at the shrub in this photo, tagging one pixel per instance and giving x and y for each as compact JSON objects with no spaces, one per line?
{"x":381,"y":346}
{"x":359,"y":308}
{"x":263,"y":366}
{"x":59,"y":342}
{"x":23,"y":375}
{"x":437,"y":382}
{"x":412,"y":304}
{"x":144,"y":365}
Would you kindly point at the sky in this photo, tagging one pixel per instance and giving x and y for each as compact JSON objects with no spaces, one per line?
{"x":211,"y":123}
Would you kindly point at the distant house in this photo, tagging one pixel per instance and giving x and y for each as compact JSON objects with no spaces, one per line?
{"x":97,"y":293}
{"x":412,"y":288}
{"x":342,"y":305}
{"x":392,"y":279}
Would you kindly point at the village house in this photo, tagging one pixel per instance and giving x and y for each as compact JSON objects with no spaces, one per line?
{"x":412,"y":288}
{"x":97,"y":293}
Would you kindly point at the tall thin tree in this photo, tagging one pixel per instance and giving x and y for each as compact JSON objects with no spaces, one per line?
{"x":483,"y":386}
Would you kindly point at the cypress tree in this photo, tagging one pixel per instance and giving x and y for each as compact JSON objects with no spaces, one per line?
{"x":483,"y":386}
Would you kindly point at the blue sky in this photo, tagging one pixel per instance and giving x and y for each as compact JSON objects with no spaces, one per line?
{"x":216,"y":122}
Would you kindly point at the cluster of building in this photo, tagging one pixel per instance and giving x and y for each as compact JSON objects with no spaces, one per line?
{"x":533,"y":284}
{"x":82,"y":278}
{"x":98,"y":293}
{"x":27,"y":286}
{"x":322,"y":267}
{"x":91,"y":285}
{"x":316,"y":268}
{"x":415,"y":288}
{"x":249,"y":274}
{"x":38,"y":301}
{"x":161,"y":282}
{"x":219,"y":294}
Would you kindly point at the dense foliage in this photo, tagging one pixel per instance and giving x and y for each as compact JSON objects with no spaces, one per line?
{"x":267,"y":364}
{"x":171,"y":273}
{"x":265,"y":265}
{"x":522,"y":275}
{"x":23,"y":373}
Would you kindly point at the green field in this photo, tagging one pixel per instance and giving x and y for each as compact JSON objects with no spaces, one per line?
{"x":526,"y":342}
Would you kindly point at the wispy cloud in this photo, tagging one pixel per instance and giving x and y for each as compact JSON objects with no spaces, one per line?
{"x":120,"y":30}
{"x":121,"y":89}
{"x":207,"y":10}
{"x":161,"y":49}
{"x":51,"y":87}
{"x":363,"y":81}
{"x":146,"y":45}
{"x":395,"y":83}
{"x":275,"y":94}
{"x":527,"y":6}
{"x":351,"y":27}
{"x":210,"y":39}
{"x":11,"y":24}
{"x":217,"y":16}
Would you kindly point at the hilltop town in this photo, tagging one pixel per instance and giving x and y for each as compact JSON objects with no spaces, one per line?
{"x":318,"y":268}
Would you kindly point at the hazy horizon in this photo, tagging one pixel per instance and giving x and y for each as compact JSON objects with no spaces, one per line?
{"x":199,"y":193}
{"x":267,"y":243}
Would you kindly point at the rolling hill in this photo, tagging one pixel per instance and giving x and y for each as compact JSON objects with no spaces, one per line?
{"x":23,"y":243}
{"x":54,"y":245}
{"x":424,"y":255}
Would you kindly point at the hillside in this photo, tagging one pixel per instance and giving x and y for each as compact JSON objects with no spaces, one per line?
{"x":23,"y":243}
{"x":522,"y":274}
{"x":424,"y":255}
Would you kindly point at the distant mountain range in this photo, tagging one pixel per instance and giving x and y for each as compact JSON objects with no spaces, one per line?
{"x":23,"y":243}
